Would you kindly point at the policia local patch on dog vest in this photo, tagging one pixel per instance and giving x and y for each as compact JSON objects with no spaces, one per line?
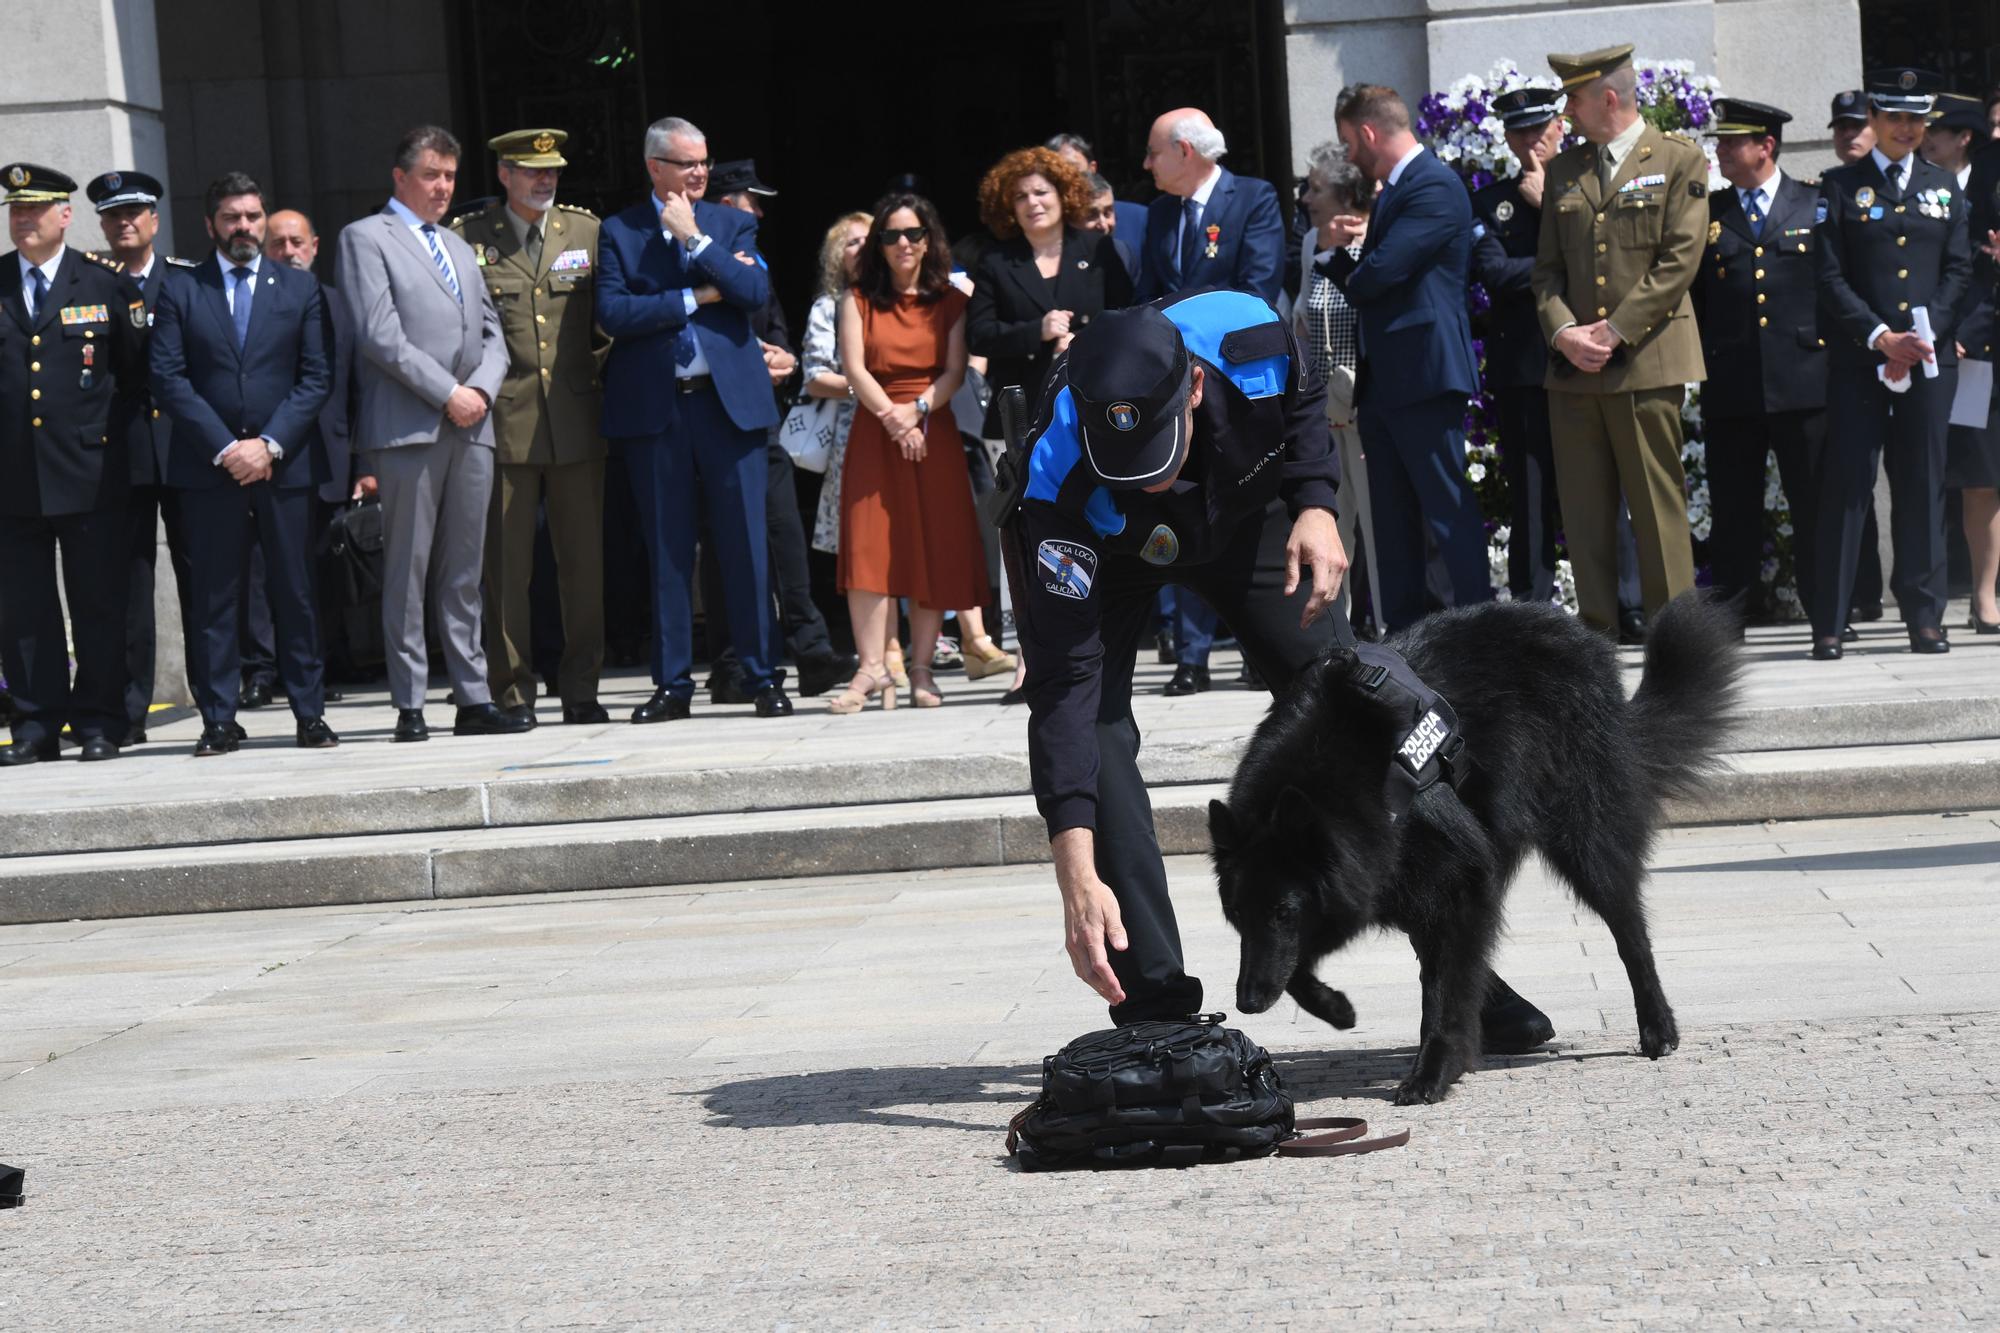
{"x":1429,"y":745}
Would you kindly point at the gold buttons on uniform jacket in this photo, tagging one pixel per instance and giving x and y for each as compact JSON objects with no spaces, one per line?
{"x":1899,"y":208}
{"x":1760,"y":298}
{"x":1902,"y":240}
{"x":545,"y":344}
{"x":541,"y":319}
{"x":1600,"y":279}
{"x":1602,"y":312}
{"x":1902,"y":273}
{"x":1759,"y":252}
{"x":156,"y":414}
{"x":1759,"y":275}
{"x":1601,"y":247}
{"x":1762,"y":320}
{"x":1902,"y":305}
{"x":34,"y":393}
{"x":1600,"y":217}
{"x":35,"y":341}
{"x":38,"y":423}
{"x":545,"y":370}
{"x":34,"y":366}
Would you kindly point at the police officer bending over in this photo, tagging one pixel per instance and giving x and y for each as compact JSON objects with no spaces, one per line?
{"x":1178,"y":442}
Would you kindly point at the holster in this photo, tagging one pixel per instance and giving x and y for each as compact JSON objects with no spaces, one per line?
{"x":1010,"y":474}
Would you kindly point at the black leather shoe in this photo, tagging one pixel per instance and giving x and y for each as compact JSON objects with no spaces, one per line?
{"x":216,"y":738}
{"x":1509,"y":1025}
{"x":1631,"y":627}
{"x":1929,"y":641}
{"x":236,"y":730}
{"x":1187,"y":680}
{"x":137,"y":735}
{"x":410,"y":725}
{"x":1170,"y":652}
{"x":1849,"y":634}
{"x":257,"y":694}
{"x":524,"y":713}
{"x":582,"y":714}
{"x":30,"y":752}
{"x":771,"y":702}
{"x":1866,"y":612}
{"x":662,"y":707}
{"x":97,"y":748}
{"x":1017,"y":695}
{"x":1826,"y":650}
{"x":488,"y":719}
{"x":315,"y":734}
{"x":817,"y":675}
{"x":1978,"y":626}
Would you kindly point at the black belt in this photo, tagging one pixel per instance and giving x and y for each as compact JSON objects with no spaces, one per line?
{"x":693,"y":383}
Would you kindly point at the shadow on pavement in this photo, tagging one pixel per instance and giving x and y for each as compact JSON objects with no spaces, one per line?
{"x":1927,"y":857}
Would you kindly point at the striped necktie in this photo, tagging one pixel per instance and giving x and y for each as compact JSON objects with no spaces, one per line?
{"x":437,"y":257}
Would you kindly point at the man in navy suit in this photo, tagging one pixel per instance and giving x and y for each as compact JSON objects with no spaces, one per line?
{"x":687,"y":400}
{"x":240,"y":362}
{"x":1208,"y":228}
{"x":1417,"y":364}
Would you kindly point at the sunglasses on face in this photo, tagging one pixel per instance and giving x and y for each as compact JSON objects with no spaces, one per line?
{"x":914,"y":235}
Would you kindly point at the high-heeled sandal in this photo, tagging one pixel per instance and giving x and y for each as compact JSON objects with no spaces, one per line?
{"x":865,"y":686}
{"x":893,"y":661}
{"x":1978,"y":626}
{"x":985,"y":658}
{"x":923,"y":688}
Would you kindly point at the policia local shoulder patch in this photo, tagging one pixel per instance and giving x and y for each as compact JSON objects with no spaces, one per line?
{"x":1067,"y":568}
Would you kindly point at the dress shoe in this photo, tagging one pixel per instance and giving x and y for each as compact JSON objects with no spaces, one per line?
{"x":817,"y":675}
{"x":771,"y":702}
{"x":1169,"y":651}
{"x":1866,"y":612}
{"x":216,"y":738}
{"x":1251,"y":677}
{"x":728,"y":687}
{"x":236,"y":730}
{"x":96,"y":748}
{"x":256,"y":694}
{"x":410,"y":725}
{"x":1827,"y":650}
{"x":489,"y":719}
{"x":30,"y":752}
{"x":137,"y":735}
{"x":1849,"y":634}
{"x":524,"y":713}
{"x":332,"y":696}
{"x":315,"y":734}
{"x":1017,"y":695}
{"x":1978,"y":626}
{"x":1929,"y":641}
{"x":1187,"y":680}
{"x":1631,"y":626}
{"x":579,"y":714}
{"x":662,"y":707}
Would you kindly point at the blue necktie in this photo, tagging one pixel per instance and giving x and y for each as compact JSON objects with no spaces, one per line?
{"x":1190,"y":238}
{"x":245,"y":280}
{"x":1754,"y":213}
{"x":38,"y":283}
{"x":437,"y":257}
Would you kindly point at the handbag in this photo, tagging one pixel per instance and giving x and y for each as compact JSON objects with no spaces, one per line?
{"x":810,"y":431}
{"x":1170,"y":1093}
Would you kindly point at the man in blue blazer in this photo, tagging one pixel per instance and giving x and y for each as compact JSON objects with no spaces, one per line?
{"x":687,"y":400}
{"x":1208,"y":228}
{"x":1417,"y":364}
{"x":240,"y":362}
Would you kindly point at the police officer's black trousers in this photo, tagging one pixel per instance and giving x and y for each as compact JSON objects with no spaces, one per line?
{"x":1905,"y":432}
{"x":1528,"y":460}
{"x":92,"y":548}
{"x":1737,"y":449}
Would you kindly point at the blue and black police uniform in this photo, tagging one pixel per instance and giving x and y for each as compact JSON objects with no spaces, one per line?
{"x":1891,"y":238}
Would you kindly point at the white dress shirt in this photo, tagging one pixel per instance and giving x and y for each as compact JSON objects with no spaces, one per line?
{"x":1200,"y":198}
{"x":698,"y":366}
{"x":1902,"y":181}
{"x":27,"y":285}
{"x":1396,"y":172}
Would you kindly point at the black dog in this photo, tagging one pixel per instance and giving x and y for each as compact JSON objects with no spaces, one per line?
{"x":1307,"y":855}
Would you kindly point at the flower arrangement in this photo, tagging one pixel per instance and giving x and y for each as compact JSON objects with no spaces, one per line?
{"x":1458,"y":124}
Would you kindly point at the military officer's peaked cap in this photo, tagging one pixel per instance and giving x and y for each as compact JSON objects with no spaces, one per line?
{"x":1575,"y":71}
{"x":1737,"y":115}
{"x":530,"y":148}
{"x":1901,"y":89}
{"x":1524,"y":108}
{"x":117,"y":189}
{"x":1956,"y":111}
{"x":738,"y":177}
{"x":1850,"y":105}
{"x":29,"y":184}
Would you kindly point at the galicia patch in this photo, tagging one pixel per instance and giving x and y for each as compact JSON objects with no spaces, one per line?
{"x":1067,"y":569}
{"x":1162,"y":548}
{"x":1122,"y":416}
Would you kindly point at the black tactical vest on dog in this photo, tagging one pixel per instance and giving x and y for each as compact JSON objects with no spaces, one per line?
{"x":1429,"y":745}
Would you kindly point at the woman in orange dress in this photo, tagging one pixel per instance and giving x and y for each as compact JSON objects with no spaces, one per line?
{"x":907,"y":524}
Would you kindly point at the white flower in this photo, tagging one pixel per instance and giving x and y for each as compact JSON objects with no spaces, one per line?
{"x":1475,"y":472}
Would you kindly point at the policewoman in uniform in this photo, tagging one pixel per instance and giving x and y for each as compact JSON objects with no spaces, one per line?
{"x":1892,"y":244}
{"x":538,"y":259}
{"x":71,"y":360}
{"x":1756,"y":302}
{"x":1179,"y":442}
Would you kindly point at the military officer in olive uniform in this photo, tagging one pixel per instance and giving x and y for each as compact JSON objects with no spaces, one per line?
{"x":71,"y":359}
{"x":1623,"y":218}
{"x":1892,"y":245}
{"x":538,"y":259}
{"x":1756,"y":303}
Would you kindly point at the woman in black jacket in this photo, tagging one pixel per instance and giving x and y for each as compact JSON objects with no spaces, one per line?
{"x":1044,"y":277}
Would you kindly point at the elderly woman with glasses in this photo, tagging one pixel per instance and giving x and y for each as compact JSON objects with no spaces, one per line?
{"x":1328,"y":334}
{"x":907,"y":526}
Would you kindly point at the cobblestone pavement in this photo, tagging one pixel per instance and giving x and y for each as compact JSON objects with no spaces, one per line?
{"x":781,"y":1106}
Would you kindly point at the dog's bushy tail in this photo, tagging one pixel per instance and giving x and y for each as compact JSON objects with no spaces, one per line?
{"x":1686,"y":704}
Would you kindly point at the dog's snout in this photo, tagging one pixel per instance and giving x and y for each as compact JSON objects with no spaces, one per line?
{"x":1253,"y":997}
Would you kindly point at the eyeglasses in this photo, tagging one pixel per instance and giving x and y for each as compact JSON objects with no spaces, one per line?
{"x":914,"y":235}
{"x":702,"y":165}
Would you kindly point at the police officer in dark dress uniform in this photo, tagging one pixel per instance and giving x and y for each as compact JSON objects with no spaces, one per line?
{"x":71,"y":356}
{"x":1892,"y":243}
{"x":1181,"y":442}
{"x":1756,"y":301}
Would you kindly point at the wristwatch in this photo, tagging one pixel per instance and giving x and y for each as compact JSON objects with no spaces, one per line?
{"x":923,"y":410}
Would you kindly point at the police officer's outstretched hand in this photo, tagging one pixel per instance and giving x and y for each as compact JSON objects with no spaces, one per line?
{"x":1315,"y":546}
{"x":1091,"y":919}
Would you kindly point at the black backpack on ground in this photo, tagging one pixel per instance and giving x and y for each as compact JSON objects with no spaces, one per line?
{"x":1171,"y":1093}
{"x":350,"y":589}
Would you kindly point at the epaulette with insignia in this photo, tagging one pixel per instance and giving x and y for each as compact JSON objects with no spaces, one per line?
{"x":178,"y":262}
{"x":105,"y":260}
{"x":572,"y":208}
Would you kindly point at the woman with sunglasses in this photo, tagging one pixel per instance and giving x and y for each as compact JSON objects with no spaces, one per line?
{"x":907,"y":526}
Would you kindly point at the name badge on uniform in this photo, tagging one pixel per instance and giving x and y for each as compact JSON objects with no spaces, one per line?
{"x":137,"y":312}
{"x":571,"y":261}
{"x":1864,"y":197}
{"x":86,"y":314}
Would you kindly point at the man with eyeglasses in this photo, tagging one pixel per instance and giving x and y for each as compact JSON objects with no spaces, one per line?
{"x":538,"y":259}
{"x":687,"y":402}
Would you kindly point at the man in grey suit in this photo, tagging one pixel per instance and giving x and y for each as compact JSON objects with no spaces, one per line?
{"x":429,"y":358}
